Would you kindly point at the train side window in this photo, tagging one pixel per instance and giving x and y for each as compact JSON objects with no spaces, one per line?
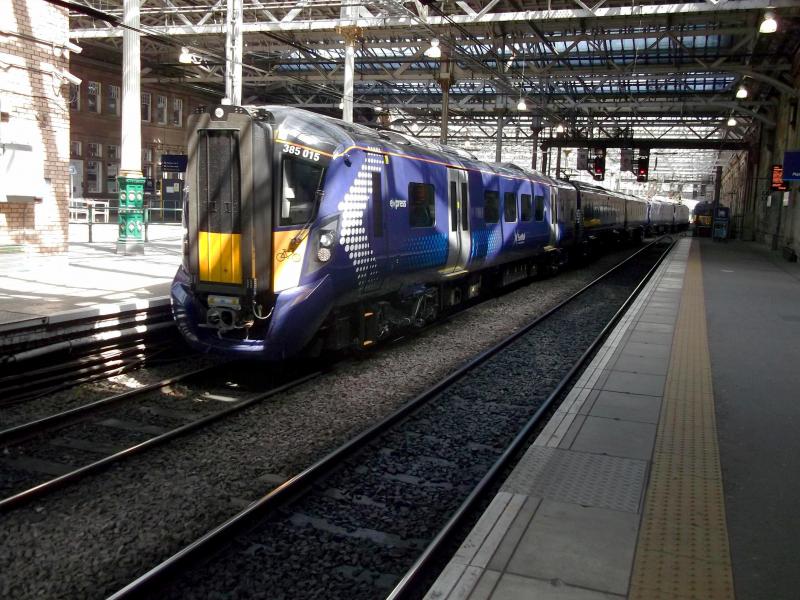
{"x":526,"y":208}
{"x":377,"y":205}
{"x":464,"y":207}
{"x":491,"y":210}
{"x":539,"y":206}
{"x":510,"y":207}
{"x":421,"y":205}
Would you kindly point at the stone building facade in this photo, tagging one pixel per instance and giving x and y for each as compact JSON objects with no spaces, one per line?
{"x":34,"y":127}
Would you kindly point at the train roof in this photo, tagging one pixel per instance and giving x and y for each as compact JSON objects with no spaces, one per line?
{"x":330,"y":134}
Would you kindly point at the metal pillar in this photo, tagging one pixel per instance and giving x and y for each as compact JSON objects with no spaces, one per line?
{"x":131,"y":182}
{"x":445,"y":110}
{"x":498,"y":149}
{"x":535,"y":149}
{"x":558,"y":163}
{"x":545,"y":154}
{"x":349,"y":69}
{"x":233,"y":53}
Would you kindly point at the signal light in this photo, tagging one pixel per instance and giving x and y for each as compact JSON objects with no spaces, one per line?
{"x":643,"y":167}
{"x":599,"y":168}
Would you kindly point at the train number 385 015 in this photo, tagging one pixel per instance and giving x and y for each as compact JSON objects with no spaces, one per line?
{"x":301,"y":152}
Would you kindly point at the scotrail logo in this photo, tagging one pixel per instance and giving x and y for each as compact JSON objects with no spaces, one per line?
{"x":519,"y":238}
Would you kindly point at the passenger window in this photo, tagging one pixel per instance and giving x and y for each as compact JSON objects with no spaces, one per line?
{"x":421,"y":205}
{"x":491,"y":210}
{"x":526,"y":208}
{"x":539,"y":200}
{"x":510,"y":208}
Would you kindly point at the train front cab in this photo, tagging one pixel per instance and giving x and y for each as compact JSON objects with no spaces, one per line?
{"x":239,"y":249}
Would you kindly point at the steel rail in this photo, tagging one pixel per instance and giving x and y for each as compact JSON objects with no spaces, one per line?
{"x":421,"y":567}
{"x":149,"y":582}
{"x":37,"y":491}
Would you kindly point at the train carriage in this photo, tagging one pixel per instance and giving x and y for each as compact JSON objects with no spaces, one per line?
{"x":305,"y":232}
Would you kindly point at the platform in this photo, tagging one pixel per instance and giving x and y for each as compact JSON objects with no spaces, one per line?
{"x":87,"y":277}
{"x":656,"y":477}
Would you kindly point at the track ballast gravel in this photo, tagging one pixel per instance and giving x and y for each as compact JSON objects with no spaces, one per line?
{"x":356,"y":537}
{"x":91,"y":539}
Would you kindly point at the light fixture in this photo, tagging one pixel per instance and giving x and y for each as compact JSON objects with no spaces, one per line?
{"x":769,"y":24}
{"x":341,"y":104}
{"x":731,"y":122}
{"x":741,"y":93}
{"x":414,"y":127}
{"x":560,"y":128}
{"x":185,"y":56}
{"x":434,"y":51}
{"x":521,"y":104}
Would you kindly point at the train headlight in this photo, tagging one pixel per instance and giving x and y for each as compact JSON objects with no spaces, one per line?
{"x":326,"y":241}
{"x":324,"y":254}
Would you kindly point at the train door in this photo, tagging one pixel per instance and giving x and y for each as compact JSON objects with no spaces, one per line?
{"x":377,"y":222}
{"x":554,"y":212}
{"x":458,"y":221}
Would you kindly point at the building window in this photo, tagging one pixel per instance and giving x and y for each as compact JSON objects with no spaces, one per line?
{"x":177,"y":112}
{"x":421,"y":205}
{"x":147,"y":154}
{"x":93,"y":97}
{"x":94,"y":176}
{"x":147,"y":171}
{"x":94,"y":150}
{"x":74,"y":97}
{"x":112,"y":152}
{"x":527,"y":210}
{"x":510,"y":207}
{"x":161,"y":109}
{"x":112,"y":170}
{"x":146,"y":106}
{"x":112,"y":100}
{"x":491,"y":208}
{"x":75,"y":149}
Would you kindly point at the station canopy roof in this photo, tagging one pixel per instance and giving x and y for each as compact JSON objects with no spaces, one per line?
{"x":647,"y":69}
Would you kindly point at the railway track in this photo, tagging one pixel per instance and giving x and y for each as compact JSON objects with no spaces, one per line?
{"x":44,"y":355}
{"x":41,"y":455}
{"x":368,"y":520}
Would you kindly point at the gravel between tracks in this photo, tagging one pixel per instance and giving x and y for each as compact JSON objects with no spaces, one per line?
{"x":94,"y":537}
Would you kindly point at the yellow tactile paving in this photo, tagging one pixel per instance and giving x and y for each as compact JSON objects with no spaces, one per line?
{"x":683,"y":549}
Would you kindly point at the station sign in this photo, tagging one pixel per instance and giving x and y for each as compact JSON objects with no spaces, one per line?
{"x":174,"y":163}
{"x":776,"y":182}
{"x":791,"y":165}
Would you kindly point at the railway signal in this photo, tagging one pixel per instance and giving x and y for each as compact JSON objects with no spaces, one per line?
{"x":643,"y":166}
{"x":599,"y":164}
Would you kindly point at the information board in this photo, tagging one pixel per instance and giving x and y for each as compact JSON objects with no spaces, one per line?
{"x":776,"y":183}
{"x":174,"y":163}
{"x":791,"y":165}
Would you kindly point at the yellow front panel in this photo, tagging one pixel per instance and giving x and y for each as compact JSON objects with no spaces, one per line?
{"x":219,"y":257}
{"x":215,"y":273}
{"x":236,"y":258}
{"x":287,"y":259}
{"x":202,"y":258}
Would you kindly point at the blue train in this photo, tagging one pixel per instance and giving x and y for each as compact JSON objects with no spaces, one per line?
{"x":305,"y":233}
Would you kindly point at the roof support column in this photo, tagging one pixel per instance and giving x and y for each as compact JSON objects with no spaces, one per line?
{"x":445,"y":111}
{"x":130,"y":180}
{"x":233,"y":53}
{"x":498,"y":149}
{"x":131,"y":152}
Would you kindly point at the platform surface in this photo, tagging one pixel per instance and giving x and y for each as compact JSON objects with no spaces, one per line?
{"x":622,"y":494}
{"x":88,"y":276}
